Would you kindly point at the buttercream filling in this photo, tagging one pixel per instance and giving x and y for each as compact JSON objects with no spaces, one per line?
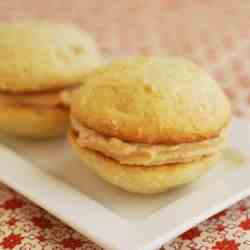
{"x":145,"y":154}
{"x":48,"y":99}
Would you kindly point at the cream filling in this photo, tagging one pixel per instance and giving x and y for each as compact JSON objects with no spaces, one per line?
{"x":145,"y":154}
{"x":46,"y":99}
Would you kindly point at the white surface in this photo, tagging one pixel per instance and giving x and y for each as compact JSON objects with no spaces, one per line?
{"x":58,"y":182}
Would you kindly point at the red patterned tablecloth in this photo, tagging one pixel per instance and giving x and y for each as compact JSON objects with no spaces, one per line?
{"x":214,"y":33}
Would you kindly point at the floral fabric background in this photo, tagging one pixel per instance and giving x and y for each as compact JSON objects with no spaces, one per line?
{"x":213,"y":33}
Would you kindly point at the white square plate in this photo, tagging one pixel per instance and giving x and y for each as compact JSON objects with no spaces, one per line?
{"x":55,"y":179}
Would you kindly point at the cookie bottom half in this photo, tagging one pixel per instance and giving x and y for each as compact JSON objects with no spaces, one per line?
{"x":141,"y":179}
{"x":33,"y":122}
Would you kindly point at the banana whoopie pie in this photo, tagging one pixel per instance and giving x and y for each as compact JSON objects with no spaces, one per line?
{"x":147,"y":124}
{"x":40,"y":62}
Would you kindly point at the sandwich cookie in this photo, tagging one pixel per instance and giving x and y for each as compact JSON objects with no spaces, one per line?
{"x":40,"y":64}
{"x":147,"y":124}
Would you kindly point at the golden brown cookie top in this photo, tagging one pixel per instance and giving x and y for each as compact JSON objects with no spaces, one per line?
{"x":152,"y":100}
{"x":37,"y":56}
